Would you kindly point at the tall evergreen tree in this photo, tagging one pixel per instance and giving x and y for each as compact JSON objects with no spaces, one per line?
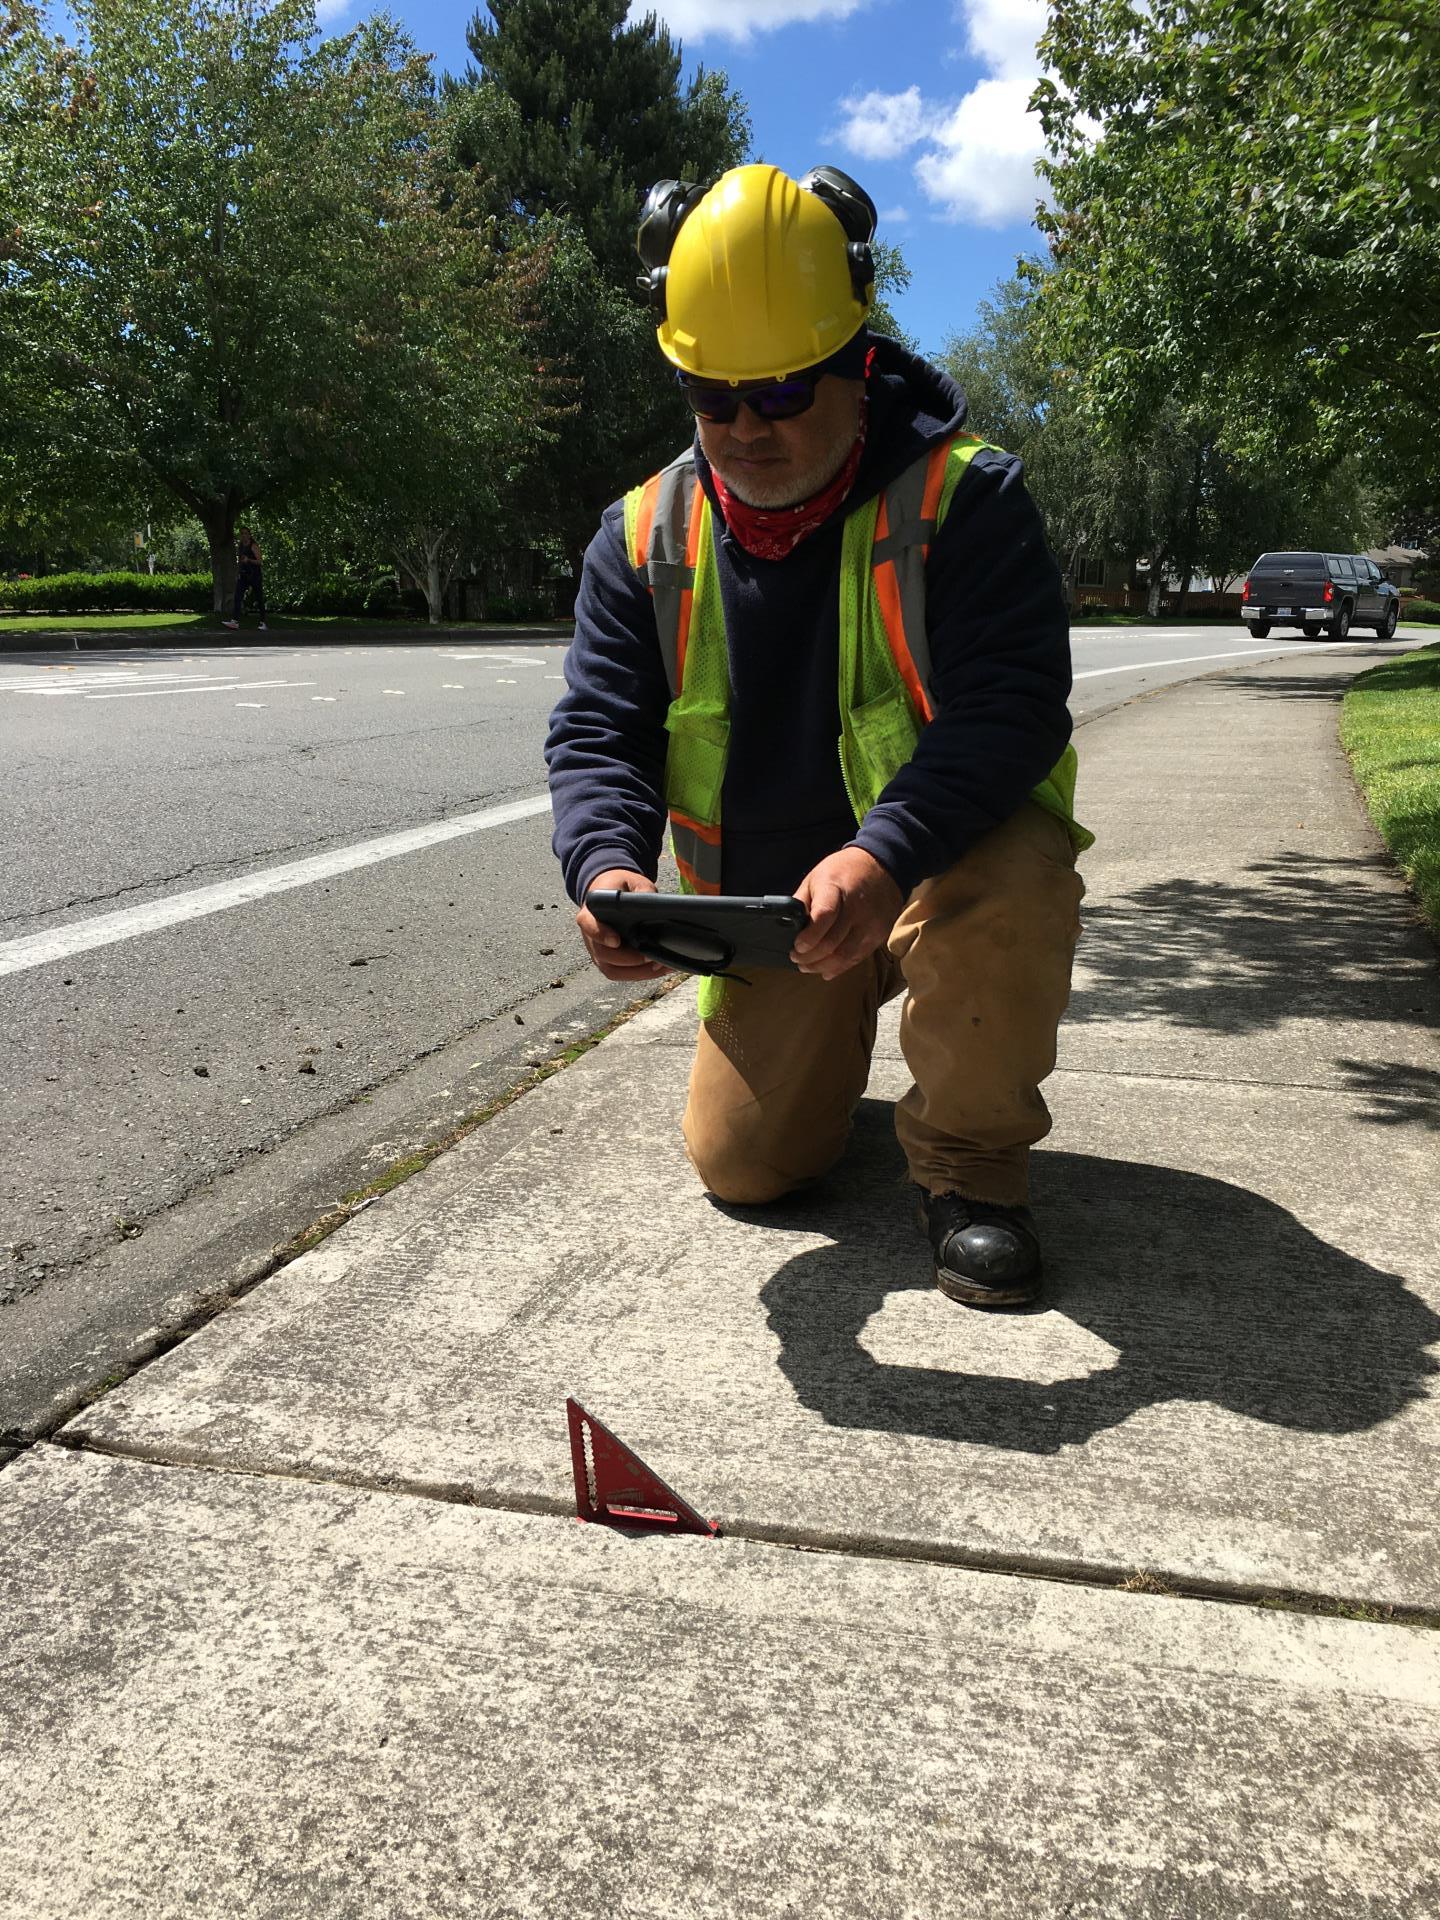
{"x":600,"y":113}
{"x":571,"y":114}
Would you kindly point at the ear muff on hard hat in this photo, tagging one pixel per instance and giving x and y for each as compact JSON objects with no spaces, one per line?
{"x":760,"y":275}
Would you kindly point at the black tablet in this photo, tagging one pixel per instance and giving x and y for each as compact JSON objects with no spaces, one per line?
{"x":703,"y":932}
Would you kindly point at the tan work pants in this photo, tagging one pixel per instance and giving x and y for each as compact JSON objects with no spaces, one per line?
{"x":983,"y":954}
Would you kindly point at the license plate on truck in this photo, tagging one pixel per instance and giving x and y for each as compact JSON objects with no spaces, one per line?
{"x":1282,"y":611}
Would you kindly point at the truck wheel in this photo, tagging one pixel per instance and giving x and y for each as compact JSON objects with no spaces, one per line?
{"x":1340,"y":625}
{"x":1260,"y":629}
{"x":1310,"y":630}
{"x":1390,"y":622}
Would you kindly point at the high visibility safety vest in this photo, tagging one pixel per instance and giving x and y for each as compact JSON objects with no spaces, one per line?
{"x":885,"y":691}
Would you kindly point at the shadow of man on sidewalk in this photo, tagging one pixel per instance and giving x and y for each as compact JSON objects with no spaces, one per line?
{"x":1206,"y":1291}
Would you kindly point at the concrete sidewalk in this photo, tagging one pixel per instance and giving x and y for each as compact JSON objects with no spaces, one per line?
{"x":414,"y":1686}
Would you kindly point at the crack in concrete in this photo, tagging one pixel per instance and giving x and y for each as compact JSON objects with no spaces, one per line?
{"x":1060,"y":1571}
{"x":160,"y":880}
{"x":323,"y":843}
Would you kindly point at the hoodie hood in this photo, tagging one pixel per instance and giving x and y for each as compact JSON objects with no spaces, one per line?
{"x":913,"y":406}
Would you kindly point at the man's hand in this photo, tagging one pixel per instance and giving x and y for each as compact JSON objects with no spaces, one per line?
{"x":609,"y":953}
{"x":853,"y":903}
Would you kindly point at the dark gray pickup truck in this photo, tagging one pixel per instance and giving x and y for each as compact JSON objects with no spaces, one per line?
{"x":1319,"y":593}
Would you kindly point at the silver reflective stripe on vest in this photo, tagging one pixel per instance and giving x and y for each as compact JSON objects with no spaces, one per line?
{"x":665,"y":567}
{"x":905,"y":545}
{"x":702,"y":857}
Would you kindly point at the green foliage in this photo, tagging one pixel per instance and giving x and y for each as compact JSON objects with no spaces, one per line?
{"x":1425,"y":611}
{"x":1167,"y":490}
{"x":207,"y":278}
{"x":1387,"y":726}
{"x":892,"y":275}
{"x":571,"y":114}
{"x":107,"y":593}
{"x":597,"y":114}
{"x":1246,"y":219}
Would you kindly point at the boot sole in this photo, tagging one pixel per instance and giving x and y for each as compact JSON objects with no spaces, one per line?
{"x":972,"y":1293}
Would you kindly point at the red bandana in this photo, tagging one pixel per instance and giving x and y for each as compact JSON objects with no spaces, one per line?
{"x":771,"y":532}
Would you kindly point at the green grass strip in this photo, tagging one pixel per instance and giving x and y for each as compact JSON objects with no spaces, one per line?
{"x":99,"y":622}
{"x":1390,"y":727}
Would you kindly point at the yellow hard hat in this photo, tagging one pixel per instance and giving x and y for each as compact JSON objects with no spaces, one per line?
{"x":762,"y":275}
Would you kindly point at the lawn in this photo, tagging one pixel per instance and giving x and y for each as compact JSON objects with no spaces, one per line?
{"x":332,"y":626}
{"x":101,"y":622}
{"x":1390,"y":727}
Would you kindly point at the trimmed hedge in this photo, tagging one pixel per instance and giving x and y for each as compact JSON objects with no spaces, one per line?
{"x":1426,"y":610}
{"x":108,"y":593}
{"x":351,"y":598}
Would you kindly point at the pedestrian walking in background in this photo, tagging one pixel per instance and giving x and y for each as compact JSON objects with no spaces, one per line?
{"x":833,"y":556}
{"x":248,"y":578}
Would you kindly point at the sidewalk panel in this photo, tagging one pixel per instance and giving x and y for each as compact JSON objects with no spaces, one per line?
{"x":228,"y":1696}
{"x":1230,"y":1382}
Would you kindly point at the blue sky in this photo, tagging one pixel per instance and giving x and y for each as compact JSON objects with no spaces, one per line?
{"x":923,"y":101}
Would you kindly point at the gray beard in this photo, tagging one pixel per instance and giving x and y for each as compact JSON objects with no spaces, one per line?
{"x":792,"y":493}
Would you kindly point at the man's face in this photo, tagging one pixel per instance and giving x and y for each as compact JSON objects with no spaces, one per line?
{"x":777,"y":463}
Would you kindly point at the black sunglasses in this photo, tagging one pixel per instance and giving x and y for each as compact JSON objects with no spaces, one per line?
{"x":771,"y":399}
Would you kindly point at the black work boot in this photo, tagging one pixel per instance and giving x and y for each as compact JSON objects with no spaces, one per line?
{"x":985,"y":1256}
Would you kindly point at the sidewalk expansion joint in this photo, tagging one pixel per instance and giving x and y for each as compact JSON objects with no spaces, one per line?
{"x":1056,"y":1570}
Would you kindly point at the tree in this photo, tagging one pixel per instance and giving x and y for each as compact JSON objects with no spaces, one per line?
{"x":468,"y":438}
{"x":572,"y":114}
{"x":1020,"y":400}
{"x":208,"y":270}
{"x":599,"y":114}
{"x":1168,"y":498}
{"x":1246,"y":217}
{"x":892,"y":275}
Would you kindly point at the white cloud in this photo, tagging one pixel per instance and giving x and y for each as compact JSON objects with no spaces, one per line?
{"x":739,"y":20}
{"x":894,"y":217}
{"x":981,"y":161}
{"x":328,"y":11}
{"x":1003,"y":33}
{"x":978,"y":158}
{"x":879,"y":126}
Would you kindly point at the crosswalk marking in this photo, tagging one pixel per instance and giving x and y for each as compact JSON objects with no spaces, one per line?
{"x":237,"y":686}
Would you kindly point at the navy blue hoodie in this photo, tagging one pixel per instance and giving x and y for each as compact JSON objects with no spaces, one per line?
{"x":1000,"y":671}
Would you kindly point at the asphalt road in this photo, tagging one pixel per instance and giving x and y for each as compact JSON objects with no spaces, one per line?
{"x":204,"y":1042}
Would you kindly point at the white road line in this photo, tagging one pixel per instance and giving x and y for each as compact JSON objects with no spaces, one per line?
{"x":58,"y":943}
{"x":1191,"y":659}
{"x":260,"y":704}
{"x":85,"y":681}
{"x":238,"y":686}
{"x":495,"y":659}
